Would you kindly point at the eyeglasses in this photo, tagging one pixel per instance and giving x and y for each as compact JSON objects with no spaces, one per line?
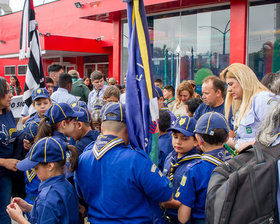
{"x":67,"y":121}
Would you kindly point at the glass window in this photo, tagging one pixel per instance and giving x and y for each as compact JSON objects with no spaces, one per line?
{"x":264,"y":37}
{"x":22,"y":69}
{"x":10,"y":70}
{"x":193,"y":40}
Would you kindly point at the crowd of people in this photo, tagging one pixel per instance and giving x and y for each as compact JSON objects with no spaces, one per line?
{"x":76,"y":162}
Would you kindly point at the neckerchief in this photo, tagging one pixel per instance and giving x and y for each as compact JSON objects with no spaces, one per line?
{"x":175,"y":163}
{"x":169,"y":101}
{"x":104,"y":143}
{"x":216,"y":157}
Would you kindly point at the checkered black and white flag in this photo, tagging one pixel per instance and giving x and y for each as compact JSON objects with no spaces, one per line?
{"x":30,"y":48}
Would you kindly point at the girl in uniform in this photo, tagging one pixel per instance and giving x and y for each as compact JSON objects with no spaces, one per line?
{"x":57,"y":201}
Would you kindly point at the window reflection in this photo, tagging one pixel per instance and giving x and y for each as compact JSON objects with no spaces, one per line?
{"x":197,"y":39}
{"x":264,"y":37}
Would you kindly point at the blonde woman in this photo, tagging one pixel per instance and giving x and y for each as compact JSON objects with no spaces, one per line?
{"x":184,"y":92}
{"x":250,"y":101}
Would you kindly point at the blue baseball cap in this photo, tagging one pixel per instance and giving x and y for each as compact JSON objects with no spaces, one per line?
{"x":79,"y":104}
{"x":158,"y":92}
{"x":85,"y":117}
{"x":185,"y":125}
{"x":31,"y":129}
{"x":40,"y":93}
{"x":59,"y":112}
{"x":48,"y":149}
{"x":208,"y":122}
{"x":113,"y":112}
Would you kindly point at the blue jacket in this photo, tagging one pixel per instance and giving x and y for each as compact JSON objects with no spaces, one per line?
{"x":118,"y":183}
{"x":57,"y":202}
{"x":193,"y":188}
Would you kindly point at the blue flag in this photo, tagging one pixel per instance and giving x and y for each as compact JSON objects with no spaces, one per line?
{"x":141,"y":103}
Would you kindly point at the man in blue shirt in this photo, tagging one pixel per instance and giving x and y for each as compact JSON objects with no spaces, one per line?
{"x":117,"y":182}
{"x":213,"y":90}
{"x":62,"y":95}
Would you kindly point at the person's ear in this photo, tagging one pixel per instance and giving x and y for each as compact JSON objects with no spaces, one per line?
{"x":195,"y":141}
{"x":102,"y":128}
{"x":199,"y":139}
{"x":50,"y":166}
{"x":79,"y":125}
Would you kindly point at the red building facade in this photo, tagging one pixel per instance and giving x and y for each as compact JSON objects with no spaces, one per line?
{"x":208,"y":33}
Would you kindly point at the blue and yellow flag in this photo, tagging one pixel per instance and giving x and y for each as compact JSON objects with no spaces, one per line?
{"x":141,"y":103}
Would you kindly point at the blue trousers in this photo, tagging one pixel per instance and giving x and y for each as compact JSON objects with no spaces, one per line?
{"x":5,"y":198}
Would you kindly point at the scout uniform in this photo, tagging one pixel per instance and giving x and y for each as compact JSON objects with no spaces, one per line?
{"x":117,"y":182}
{"x":193,"y":188}
{"x":57,"y":201}
{"x":91,"y":135}
{"x":38,"y":94}
{"x":174,"y":168}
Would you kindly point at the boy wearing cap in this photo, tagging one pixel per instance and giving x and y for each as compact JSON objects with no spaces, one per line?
{"x":123,"y":181}
{"x":41,"y":103}
{"x":211,"y":133}
{"x":57,"y":201}
{"x":83,"y":132}
{"x":175,"y":165}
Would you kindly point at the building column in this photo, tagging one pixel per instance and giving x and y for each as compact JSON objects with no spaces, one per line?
{"x":238,"y":31}
{"x":117,"y":45}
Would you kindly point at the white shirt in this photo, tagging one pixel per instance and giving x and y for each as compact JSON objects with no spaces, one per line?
{"x":62,"y":96}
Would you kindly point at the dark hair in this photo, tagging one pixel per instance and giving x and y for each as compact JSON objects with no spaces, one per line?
{"x":219,"y":137}
{"x":64,"y":80}
{"x":17,"y":82}
{"x":86,"y":77}
{"x":49,"y":80}
{"x":158,"y":80}
{"x":74,"y":157}
{"x":218,"y":84}
{"x":193,"y":104}
{"x":54,"y":68}
{"x":96,"y":75}
{"x":269,"y":79}
{"x":170,"y":89}
{"x":118,"y":86}
{"x":45,"y":129}
{"x":3,"y":87}
{"x":164,"y":120}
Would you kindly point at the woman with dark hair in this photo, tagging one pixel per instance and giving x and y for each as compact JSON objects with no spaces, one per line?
{"x":8,"y":133}
{"x":15,"y":86}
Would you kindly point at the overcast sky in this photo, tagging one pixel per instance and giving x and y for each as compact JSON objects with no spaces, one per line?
{"x":17,"y":5}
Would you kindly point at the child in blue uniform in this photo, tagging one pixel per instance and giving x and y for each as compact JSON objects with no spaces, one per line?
{"x":175,"y":165}
{"x":83,"y":132}
{"x":165,"y":139}
{"x":211,"y":133}
{"x":57,"y":201}
{"x":116,"y":181}
{"x":32,"y":182}
{"x":41,"y":103}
